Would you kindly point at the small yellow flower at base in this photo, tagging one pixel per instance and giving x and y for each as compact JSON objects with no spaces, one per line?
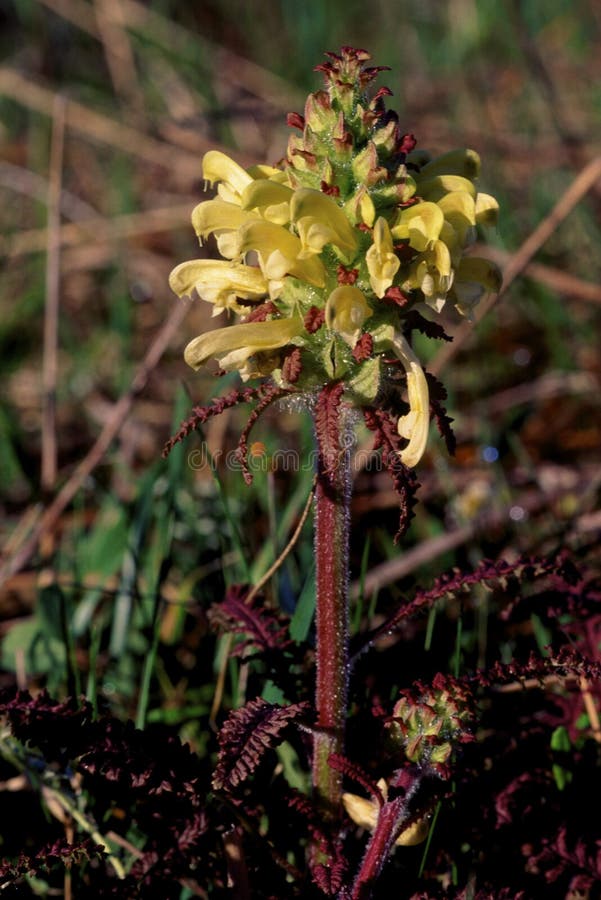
{"x":382,"y":261}
{"x":234,"y":345}
{"x":415,"y":425}
{"x":345,"y":312}
{"x":364,"y":813}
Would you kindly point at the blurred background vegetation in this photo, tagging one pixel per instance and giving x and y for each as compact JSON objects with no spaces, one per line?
{"x":106,"y":107}
{"x":111,"y":555}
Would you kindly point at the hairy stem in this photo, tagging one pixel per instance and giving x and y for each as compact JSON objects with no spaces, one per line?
{"x":332,"y":515}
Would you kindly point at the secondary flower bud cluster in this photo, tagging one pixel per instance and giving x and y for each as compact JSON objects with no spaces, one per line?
{"x":323,"y":256}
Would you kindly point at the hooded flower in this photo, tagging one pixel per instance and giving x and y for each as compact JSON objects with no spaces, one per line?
{"x":234,"y":346}
{"x":330,"y":258}
{"x":219,"y":282}
{"x":382,"y":261}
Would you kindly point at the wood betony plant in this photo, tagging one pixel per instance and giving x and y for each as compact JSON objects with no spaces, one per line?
{"x":328,"y":263}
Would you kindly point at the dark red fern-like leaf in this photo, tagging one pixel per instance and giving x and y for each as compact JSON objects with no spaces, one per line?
{"x":355,"y":773}
{"x":268,"y":394}
{"x":201,"y":414}
{"x":263,"y":627}
{"x":56,"y":855}
{"x":566,"y":663}
{"x":414,"y":321}
{"x":438,"y":394}
{"x":292,"y":365}
{"x":260,"y":313}
{"x":560,"y":857}
{"x":364,"y":347}
{"x":404,"y":480}
{"x":488,"y":572}
{"x":246,"y":736}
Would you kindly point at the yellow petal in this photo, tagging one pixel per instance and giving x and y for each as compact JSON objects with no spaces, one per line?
{"x":363,"y":812}
{"x":245,"y":339}
{"x":270,"y":198}
{"x":382,"y":262}
{"x":262,"y":170}
{"x":415,"y":425}
{"x":217,"y":215}
{"x":487,"y":210}
{"x":318,"y":209}
{"x":345,"y":312}
{"x":459,"y":210}
{"x":420,"y":223}
{"x":279,"y":251}
{"x":218,"y":282}
{"x":484,"y":271}
{"x":457,"y":162}
{"x":216,"y":166}
{"x":435,"y":188}
{"x":367,"y":209}
{"x":474,"y":278}
{"x":432,"y":272}
{"x":414,"y":834}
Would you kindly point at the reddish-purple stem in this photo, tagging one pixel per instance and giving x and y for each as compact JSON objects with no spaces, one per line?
{"x":332,"y":501}
{"x":379,"y":847}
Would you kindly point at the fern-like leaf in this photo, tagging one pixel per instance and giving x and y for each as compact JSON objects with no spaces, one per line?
{"x":262,"y":626}
{"x":268,"y":394}
{"x":404,"y":480}
{"x":246,"y":736}
{"x":201,"y":414}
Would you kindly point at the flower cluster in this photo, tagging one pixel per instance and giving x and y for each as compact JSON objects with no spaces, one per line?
{"x":324,"y":256}
{"x":430,"y":722}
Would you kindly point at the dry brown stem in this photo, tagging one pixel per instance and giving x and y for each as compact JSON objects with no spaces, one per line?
{"x":101,"y":128}
{"x":51,"y":307}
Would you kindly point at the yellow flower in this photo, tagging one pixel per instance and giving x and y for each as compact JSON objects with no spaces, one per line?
{"x":345,"y":312}
{"x":487,"y":210}
{"x":219,"y":282}
{"x":433,"y":274}
{"x":474,"y":277}
{"x":270,"y":198}
{"x":224,"y":220}
{"x":382,"y":262}
{"x":279,"y":252}
{"x":321,"y":221}
{"x":365,"y":812}
{"x":235,"y":345}
{"x":459,"y":211}
{"x":217,"y":167}
{"x":436,"y":187}
{"x":456,"y":162}
{"x":420,"y":223}
{"x":415,"y":425}
{"x":348,"y":239}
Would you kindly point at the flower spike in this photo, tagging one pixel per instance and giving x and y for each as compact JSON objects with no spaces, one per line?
{"x":327,"y":260}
